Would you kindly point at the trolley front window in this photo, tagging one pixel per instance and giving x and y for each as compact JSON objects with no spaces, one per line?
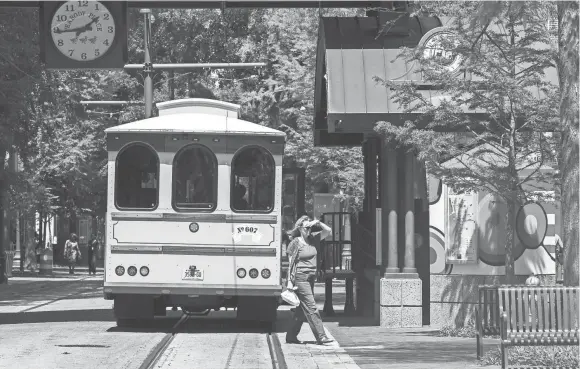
{"x":195,"y":179}
{"x":253,"y":175}
{"x":137,"y":178}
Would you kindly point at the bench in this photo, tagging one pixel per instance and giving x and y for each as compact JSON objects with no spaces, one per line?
{"x":487,"y":317}
{"x":537,"y":316}
{"x":330,"y":269}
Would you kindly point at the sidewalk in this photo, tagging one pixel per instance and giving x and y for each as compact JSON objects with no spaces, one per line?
{"x":361,"y":345}
{"x":58,"y":272}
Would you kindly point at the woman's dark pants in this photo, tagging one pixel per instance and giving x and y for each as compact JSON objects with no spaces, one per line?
{"x":307,"y":311}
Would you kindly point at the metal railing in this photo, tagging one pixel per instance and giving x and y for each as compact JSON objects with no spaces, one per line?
{"x":336,"y":250}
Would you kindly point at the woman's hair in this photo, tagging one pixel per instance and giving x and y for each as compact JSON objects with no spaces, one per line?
{"x":301,"y":221}
{"x":296,"y":231}
{"x":73,"y":237}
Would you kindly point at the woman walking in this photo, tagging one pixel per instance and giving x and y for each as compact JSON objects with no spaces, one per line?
{"x":301,"y":273}
{"x":72,"y":253}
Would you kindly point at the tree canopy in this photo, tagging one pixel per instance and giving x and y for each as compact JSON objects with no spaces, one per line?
{"x":506,"y":52}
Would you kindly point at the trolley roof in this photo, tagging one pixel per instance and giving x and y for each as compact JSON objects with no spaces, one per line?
{"x":196,"y":123}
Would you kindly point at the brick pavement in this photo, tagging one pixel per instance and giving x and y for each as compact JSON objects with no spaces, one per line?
{"x":372,"y":347}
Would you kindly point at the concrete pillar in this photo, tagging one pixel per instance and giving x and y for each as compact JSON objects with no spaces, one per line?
{"x":389,"y":199}
{"x":401,"y":293}
{"x":409,"y":211}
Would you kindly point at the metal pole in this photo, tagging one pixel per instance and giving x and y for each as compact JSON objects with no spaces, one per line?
{"x":88,"y":102}
{"x":196,"y":65}
{"x":147,"y":67}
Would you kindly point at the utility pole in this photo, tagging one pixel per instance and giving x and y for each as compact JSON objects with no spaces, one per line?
{"x":148,"y":67}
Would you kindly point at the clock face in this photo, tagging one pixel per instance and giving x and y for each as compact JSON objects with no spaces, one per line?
{"x":83,"y":30}
{"x":436,"y":43}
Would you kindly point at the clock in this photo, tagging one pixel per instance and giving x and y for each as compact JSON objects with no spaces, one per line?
{"x":84,"y":34}
{"x":83,"y":30}
{"x":435,"y":48}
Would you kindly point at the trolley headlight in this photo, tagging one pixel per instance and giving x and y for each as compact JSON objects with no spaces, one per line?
{"x":266,"y":273}
{"x":119,"y":270}
{"x":193,"y":227}
{"x":132,"y":271}
{"x":254,"y":273}
{"x":241,"y":273}
{"x":144,"y":271}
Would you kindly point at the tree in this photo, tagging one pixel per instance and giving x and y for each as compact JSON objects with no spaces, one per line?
{"x":568,"y":72}
{"x":505,"y":51}
{"x":283,"y":97}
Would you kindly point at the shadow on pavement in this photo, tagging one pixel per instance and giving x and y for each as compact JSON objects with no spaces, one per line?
{"x":375,"y":345}
{"x":412,"y":352}
{"x":92,"y":315}
{"x":215,"y":322}
{"x":349,"y":321}
{"x":49,"y":290}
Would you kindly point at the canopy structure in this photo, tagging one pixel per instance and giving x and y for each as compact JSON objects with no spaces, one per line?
{"x":352,"y":53}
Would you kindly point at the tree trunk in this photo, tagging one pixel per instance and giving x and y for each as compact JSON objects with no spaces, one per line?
{"x":30,"y":243}
{"x":512,"y":198}
{"x":568,"y":73}
{"x":510,"y":242}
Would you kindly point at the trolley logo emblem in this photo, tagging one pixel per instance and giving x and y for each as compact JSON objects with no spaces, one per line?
{"x":193,"y":273}
{"x":248,"y":231}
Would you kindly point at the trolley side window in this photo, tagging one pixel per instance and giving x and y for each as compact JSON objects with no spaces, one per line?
{"x":195,"y":179}
{"x":137,"y":178}
{"x":253,"y":180}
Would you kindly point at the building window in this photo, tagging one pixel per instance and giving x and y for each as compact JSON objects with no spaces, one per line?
{"x":253,"y":179}
{"x":137,"y":178}
{"x":195,"y":179}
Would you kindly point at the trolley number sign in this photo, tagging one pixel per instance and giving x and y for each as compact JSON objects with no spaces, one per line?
{"x":250,"y":230}
{"x":247,"y":230}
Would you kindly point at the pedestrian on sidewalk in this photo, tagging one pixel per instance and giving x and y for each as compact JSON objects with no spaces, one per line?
{"x":72,"y":253}
{"x":301,"y":274}
{"x":92,"y":255}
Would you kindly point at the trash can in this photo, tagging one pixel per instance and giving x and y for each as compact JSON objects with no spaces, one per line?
{"x":45,"y":266}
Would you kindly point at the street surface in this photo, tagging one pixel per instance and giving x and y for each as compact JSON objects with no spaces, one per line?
{"x":64,"y":322}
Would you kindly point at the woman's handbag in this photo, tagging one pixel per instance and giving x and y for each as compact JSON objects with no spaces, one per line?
{"x":290,"y":297}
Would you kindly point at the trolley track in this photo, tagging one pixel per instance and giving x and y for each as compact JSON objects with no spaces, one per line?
{"x":155,"y":354}
{"x":153,"y":358}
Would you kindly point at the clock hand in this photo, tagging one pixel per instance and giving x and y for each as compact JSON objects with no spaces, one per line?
{"x":87,"y":27}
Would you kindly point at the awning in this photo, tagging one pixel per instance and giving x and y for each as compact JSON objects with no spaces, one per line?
{"x":350,"y":57}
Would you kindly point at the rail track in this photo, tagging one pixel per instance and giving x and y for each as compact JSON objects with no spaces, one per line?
{"x":152,"y":360}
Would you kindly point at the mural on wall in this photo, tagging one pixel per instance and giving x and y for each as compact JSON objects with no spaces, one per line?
{"x":479,"y":247}
{"x":461,"y":228}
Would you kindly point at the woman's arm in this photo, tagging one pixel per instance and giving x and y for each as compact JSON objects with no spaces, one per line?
{"x":326,"y":230}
